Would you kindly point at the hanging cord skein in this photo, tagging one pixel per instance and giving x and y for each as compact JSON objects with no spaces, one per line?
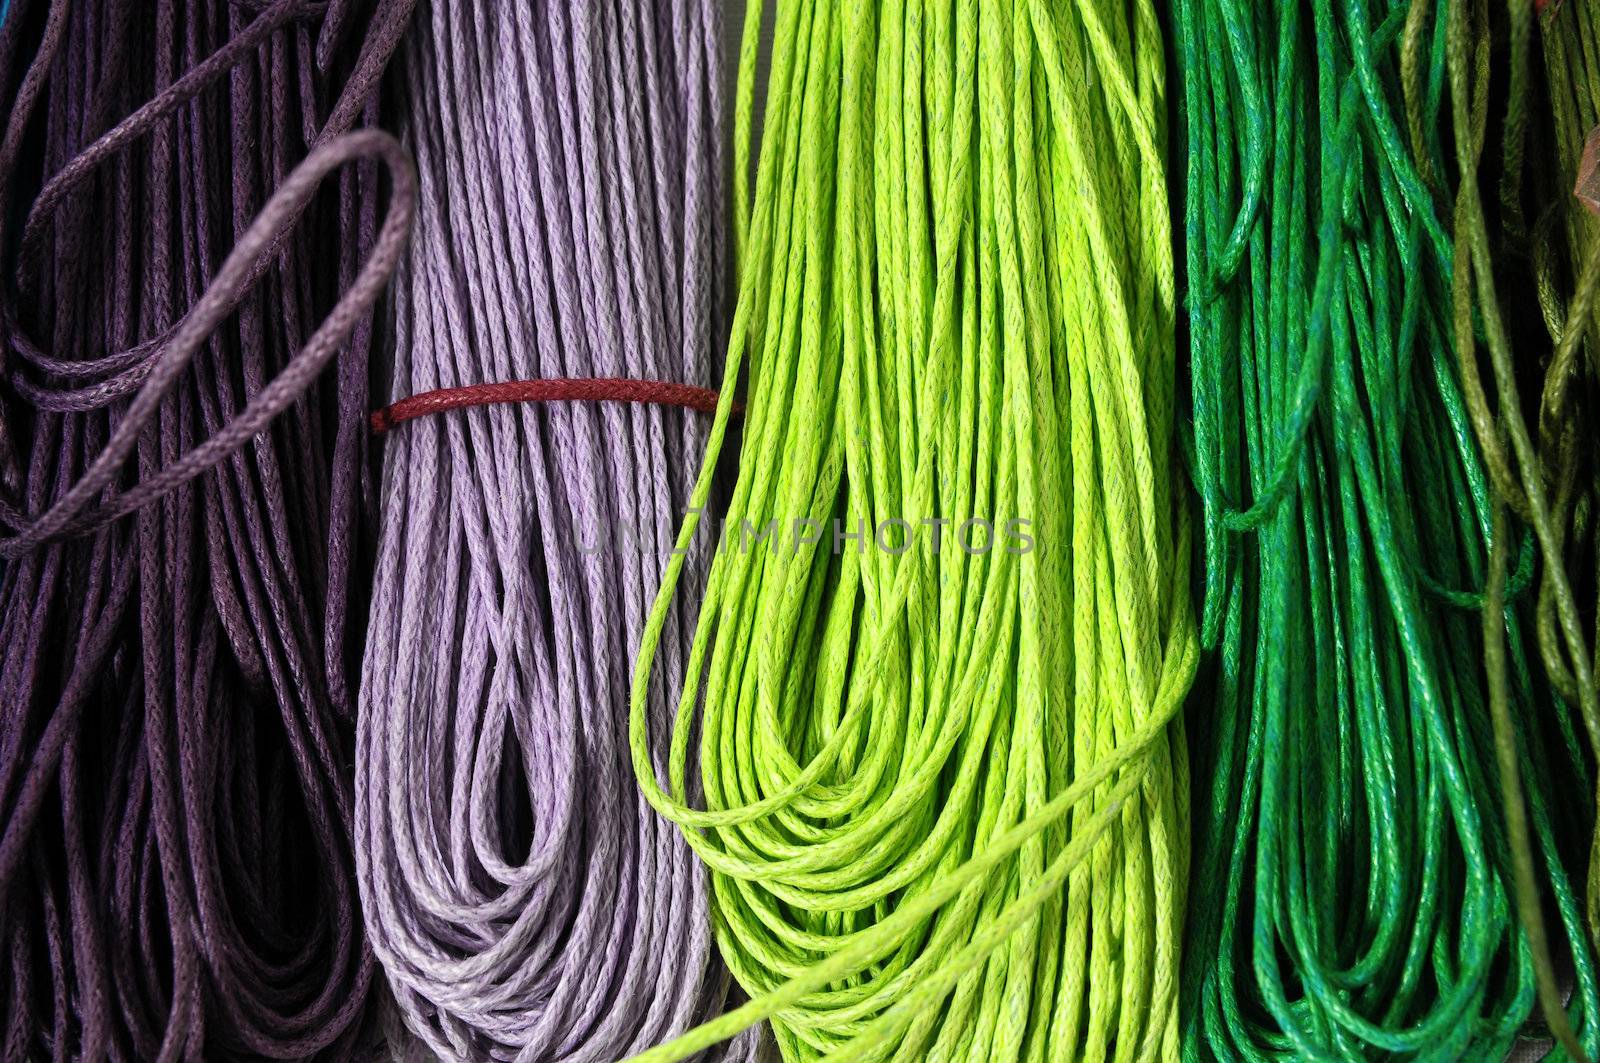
{"x":1354,"y":877}
{"x":1543,"y":476}
{"x":946,"y":633}
{"x":1569,"y":400}
{"x":176,"y":874}
{"x":524,"y":900}
{"x":1569,"y":410}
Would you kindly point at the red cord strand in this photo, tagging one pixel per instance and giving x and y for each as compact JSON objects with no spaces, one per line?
{"x":591,"y":389}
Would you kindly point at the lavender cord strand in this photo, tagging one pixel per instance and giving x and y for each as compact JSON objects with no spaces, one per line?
{"x":524,"y":900}
{"x":175,"y":712}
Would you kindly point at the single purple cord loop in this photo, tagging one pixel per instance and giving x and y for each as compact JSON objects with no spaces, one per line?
{"x":68,"y":516}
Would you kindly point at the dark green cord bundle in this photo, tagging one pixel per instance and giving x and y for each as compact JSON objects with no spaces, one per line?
{"x":1353,"y":878}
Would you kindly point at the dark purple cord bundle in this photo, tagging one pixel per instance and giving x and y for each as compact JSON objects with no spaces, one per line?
{"x":195,"y":235}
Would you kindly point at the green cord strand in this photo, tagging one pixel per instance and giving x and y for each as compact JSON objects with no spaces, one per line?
{"x":1353,"y":880}
{"x":943,"y":791}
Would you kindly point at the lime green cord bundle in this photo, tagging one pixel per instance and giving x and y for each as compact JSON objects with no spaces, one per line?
{"x":938,"y":774}
{"x":1353,"y":882}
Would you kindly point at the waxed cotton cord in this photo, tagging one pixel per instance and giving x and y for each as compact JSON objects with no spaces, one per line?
{"x":1353,"y":877}
{"x":586,"y":389}
{"x":523,"y":899}
{"x":175,"y":870}
{"x":1570,"y":397}
{"x":943,"y":792}
{"x":1538,"y":479}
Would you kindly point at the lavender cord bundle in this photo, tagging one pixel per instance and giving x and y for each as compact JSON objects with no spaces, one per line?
{"x":524,"y":900}
{"x":200,"y":235}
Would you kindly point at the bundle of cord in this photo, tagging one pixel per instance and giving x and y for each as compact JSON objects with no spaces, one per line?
{"x":1544,"y":478}
{"x":938,"y":774}
{"x":1350,"y":746}
{"x":176,"y":875}
{"x":524,"y":900}
{"x":1569,"y":407}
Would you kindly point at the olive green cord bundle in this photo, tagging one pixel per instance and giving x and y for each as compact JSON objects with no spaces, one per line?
{"x":1569,"y":416}
{"x":1569,"y":398}
{"x":1353,"y":882}
{"x":1543,"y":477}
{"x":928,"y":743}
